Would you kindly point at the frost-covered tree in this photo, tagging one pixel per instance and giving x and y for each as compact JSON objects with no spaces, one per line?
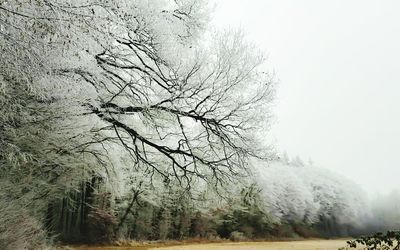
{"x":91,"y":89}
{"x":177,"y":105}
{"x":37,"y":156}
{"x":311,"y":195}
{"x":153,"y":80}
{"x":286,"y":196}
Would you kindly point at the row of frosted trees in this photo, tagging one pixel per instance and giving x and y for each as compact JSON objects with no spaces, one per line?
{"x":284,"y":201}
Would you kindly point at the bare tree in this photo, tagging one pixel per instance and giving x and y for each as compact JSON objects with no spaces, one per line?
{"x":194,"y":121}
{"x":89,"y":85}
{"x":180,"y":108}
{"x":181,"y":104}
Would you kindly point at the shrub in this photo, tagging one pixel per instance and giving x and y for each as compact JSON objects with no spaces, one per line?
{"x":378,"y":241}
{"x":18,"y":230}
{"x":237,"y":236}
{"x":101,"y":225}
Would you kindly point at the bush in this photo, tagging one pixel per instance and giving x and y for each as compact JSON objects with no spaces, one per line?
{"x":237,"y":236}
{"x":378,"y":241}
{"x":18,"y":230}
{"x":101,"y":225}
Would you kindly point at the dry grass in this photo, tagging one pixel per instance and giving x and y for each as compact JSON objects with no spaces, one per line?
{"x":273,"y":245}
{"x":282,"y":245}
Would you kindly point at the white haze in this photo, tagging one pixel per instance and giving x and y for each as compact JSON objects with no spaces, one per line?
{"x":337,"y":64}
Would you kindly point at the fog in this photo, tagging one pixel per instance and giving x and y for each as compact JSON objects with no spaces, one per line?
{"x":338,"y":95}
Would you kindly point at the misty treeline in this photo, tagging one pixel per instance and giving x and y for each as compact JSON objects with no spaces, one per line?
{"x":135,"y":119}
{"x":330,"y":203}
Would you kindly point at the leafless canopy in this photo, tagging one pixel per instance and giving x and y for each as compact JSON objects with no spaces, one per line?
{"x":181,"y":104}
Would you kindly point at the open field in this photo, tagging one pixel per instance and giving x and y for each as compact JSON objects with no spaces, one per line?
{"x":298,"y":245}
{"x":273,"y":245}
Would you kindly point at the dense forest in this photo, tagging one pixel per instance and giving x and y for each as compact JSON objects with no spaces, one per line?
{"x":136,"y":119}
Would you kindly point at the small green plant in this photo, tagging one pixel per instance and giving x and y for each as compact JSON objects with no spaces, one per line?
{"x":380,"y":241}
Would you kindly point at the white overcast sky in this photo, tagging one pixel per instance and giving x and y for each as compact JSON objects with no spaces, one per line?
{"x":338,"y":66}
